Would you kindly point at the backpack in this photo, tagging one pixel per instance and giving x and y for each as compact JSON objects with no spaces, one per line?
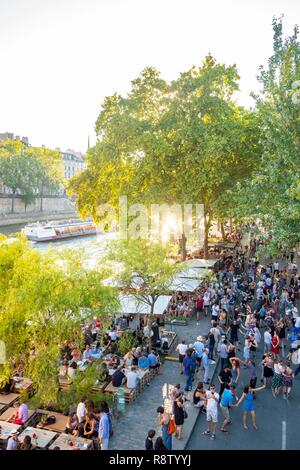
{"x":50,"y":420}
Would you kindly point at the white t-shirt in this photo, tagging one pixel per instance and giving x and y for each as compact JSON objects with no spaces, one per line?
{"x":212,"y":405}
{"x":81,"y":412}
{"x":132,"y":379}
{"x":276,"y":266}
{"x":181,"y":348}
{"x":267,"y":337}
{"x":113,"y":335}
{"x":215,"y":310}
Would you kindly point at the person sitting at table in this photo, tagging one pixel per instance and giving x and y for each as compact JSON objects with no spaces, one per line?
{"x":118,"y":378}
{"x":132,"y":378}
{"x":13,"y":442}
{"x":76,"y":355}
{"x":113,"y":335}
{"x":96,"y":351}
{"x":105,"y":339}
{"x":66,"y":351}
{"x":72,"y":370}
{"x":114,"y":361}
{"x":21,"y":415}
{"x":72,"y":424}
{"x":63,"y":369}
{"x":26,"y":444}
{"x":128,"y":359}
{"x":143,"y":362}
{"x":153,"y":361}
{"x":89,"y":427}
{"x":19,"y":372}
{"x":86,"y":356}
{"x":136,"y":354}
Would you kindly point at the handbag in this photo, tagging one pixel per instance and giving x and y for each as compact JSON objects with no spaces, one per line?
{"x":172,"y":426}
{"x":185,"y":415}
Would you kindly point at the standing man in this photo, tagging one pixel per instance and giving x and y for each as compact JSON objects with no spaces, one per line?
{"x":267,"y":339}
{"x":223,"y":354}
{"x":189,"y":370}
{"x":212,"y":400}
{"x":199,"y":348}
{"x":181,"y":348}
{"x":227,"y":400}
{"x":104,"y":426}
{"x":225,"y":378}
{"x":81,"y":410}
{"x":206,"y":364}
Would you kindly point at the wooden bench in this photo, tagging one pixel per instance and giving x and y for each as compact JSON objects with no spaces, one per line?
{"x":130,"y":394}
{"x":64,"y":383}
{"x":8,"y":399}
{"x":59,"y":425}
{"x":6,"y":415}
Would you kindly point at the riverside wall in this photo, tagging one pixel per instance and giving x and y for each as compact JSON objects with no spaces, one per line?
{"x":51,"y":206}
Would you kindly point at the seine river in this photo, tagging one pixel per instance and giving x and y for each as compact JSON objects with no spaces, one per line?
{"x":94,"y":246}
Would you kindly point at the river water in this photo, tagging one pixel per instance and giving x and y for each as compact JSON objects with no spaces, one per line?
{"x":93,"y":246}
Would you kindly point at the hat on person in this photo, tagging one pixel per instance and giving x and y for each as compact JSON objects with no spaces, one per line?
{"x":14,"y":433}
{"x":199,"y":338}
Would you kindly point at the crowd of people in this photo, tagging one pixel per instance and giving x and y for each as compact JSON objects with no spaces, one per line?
{"x":255,"y":327}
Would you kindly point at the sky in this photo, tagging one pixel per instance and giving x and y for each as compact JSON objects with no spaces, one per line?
{"x":60,"y":58}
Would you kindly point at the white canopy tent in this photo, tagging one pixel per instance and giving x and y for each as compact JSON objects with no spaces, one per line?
{"x":194,"y":273}
{"x":181,"y":284}
{"x":129,"y":304}
{"x":201,"y":263}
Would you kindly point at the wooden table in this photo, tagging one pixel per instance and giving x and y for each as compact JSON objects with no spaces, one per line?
{"x":8,"y":399}
{"x":6,"y":429}
{"x":63,"y":441}
{"x":43,"y":438}
{"x":22,"y":383}
{"x":60,"y":423}
{"x":5,"y":416}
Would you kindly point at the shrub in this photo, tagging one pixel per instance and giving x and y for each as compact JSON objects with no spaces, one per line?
{"x":126,"y":343}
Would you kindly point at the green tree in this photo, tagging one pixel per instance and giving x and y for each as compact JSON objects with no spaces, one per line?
{"x":49,"y":171}
{"x":183,"y":142}
{"x":17,"y":170}
{"x":146,"y":273}
{"x":29,"y":171}
{"x":272,"y":194}
{"x":44,"y":299}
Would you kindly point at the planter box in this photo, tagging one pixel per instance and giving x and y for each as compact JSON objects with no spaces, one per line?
{"x":176,"y":322}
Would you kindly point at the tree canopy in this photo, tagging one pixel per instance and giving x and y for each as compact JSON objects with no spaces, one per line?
{"x":44,"y":299}
{"x":28,"y":171}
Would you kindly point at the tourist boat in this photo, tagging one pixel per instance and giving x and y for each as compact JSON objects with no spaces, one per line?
{"x":59,"y":230}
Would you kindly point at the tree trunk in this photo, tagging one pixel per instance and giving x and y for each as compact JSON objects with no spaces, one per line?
{"x":205,"y":245}
{"x":183,"y":247}
{"x":223,"y":231}
{"x":13,"y":202}
{"x":42,"y":195}
{"x":230,"y":225}
{"x":150,"y":321}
